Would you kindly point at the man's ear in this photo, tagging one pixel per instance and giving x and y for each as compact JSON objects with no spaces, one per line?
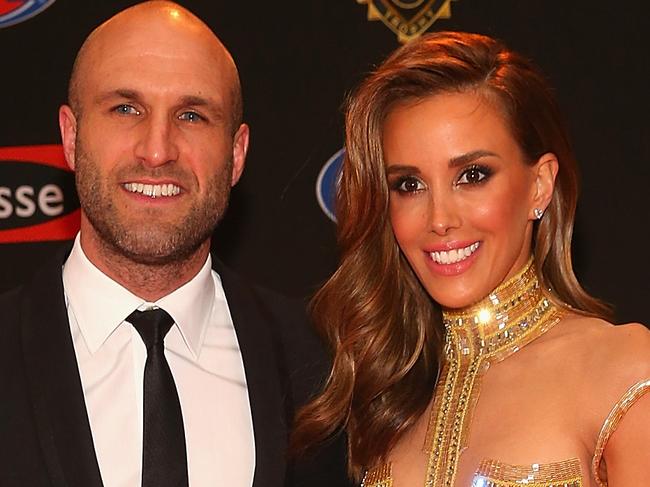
{"x":239,"y":151}
{"x":68,"y":128}
{"x":545,"y":170}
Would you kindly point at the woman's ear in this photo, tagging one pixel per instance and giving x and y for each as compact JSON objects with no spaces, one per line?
{"x":545,"y":170}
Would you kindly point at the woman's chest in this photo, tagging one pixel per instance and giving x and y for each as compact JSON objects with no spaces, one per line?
{"x":526,"y":433}
{"x":542,"y":455}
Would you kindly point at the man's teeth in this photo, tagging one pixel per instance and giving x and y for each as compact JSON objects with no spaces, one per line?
{"x":153,"y":190}
{"x":455,"y":255}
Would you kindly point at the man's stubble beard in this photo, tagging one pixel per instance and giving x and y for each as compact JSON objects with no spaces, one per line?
{"x":154,"y":243}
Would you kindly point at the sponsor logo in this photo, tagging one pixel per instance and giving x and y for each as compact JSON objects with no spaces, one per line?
{"x":15,"y":11}
{"x":408,"y":18}
{"x":327,"y":182}
{"x":38,"y":200}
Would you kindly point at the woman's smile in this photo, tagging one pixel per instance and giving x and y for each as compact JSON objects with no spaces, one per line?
{"x":454,"y":171}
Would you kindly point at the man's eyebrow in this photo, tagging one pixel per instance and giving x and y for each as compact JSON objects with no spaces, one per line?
{"x":118,"y":93}
{"x":195,"y":100}
{"x":213,"y":106}
{"x":463,"y":159}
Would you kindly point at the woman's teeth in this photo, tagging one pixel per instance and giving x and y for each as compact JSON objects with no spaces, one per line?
{"x":455,"y":255}
{"x":153,"y":190}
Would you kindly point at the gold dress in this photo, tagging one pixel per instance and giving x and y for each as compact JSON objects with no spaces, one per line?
{"x":511,"y":317}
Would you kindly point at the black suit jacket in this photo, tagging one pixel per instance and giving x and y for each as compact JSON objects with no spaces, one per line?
{"x":44,"y":429}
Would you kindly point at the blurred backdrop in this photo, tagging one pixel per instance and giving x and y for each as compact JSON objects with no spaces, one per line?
{"x":297,"y":60}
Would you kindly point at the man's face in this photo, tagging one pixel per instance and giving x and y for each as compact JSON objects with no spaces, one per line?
{"x":153,"y":146}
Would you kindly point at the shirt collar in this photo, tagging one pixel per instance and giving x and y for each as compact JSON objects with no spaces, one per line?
{"x":191,"y":307}
{"x":100,"y":304}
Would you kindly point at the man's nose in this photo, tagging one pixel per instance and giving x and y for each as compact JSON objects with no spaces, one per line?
{"x":157,"y":142}
{"x":443,"y":214}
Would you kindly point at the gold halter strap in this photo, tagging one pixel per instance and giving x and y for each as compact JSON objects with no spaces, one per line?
{"x":487,"y":332}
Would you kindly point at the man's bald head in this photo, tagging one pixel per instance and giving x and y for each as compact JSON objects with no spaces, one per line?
{"x":149,"y":19}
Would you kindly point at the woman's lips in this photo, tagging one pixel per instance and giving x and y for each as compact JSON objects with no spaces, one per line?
{"x":452,"y":259}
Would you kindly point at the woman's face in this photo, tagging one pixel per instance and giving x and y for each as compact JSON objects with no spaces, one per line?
{"x":461,"y":195}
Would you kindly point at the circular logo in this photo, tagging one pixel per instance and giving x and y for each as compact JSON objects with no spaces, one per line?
{"x":38,"y":199}
{"x":327,"y":182}
{"x":15,"y":11}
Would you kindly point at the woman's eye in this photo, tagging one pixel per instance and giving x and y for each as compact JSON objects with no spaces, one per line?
{"x":408,"y":185}
{"x":191,"y":117}
{"x":474,"y":175}
{"x":126,"y":110}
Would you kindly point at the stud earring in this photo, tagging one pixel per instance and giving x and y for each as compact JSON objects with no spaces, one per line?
{"x":538,"y":213}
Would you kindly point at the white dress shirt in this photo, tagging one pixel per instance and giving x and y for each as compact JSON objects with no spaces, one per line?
{"x":205,"y":360}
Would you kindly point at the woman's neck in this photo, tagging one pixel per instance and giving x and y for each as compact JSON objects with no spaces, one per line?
{"x":509,"y":317}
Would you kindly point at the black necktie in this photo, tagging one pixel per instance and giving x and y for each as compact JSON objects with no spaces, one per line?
{"x":164,"y":459}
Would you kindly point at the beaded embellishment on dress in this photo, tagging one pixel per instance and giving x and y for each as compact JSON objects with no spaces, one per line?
{"x":378,"y":477}
{"x":496,"y":474}
{"x":510,"y":317}
{"x":616,"y":414}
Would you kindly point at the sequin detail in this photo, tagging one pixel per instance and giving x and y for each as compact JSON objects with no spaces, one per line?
{"x":610,"y":424}
{"x":512,"y":316}
{"x":492,"y":473}
{"x":509,"y":318}
{"x":378,"y":477}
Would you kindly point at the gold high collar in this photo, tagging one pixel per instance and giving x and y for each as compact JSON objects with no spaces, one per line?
{"x":507,"y":319}
{"x":510,"y":317}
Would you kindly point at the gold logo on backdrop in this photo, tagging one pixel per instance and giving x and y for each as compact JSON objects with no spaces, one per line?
{"x":408,"y":18}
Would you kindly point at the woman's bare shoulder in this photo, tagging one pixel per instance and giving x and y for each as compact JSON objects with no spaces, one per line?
{"x":615,"y":370}
{"x":601,"y":363}
{"x":607,"y":357}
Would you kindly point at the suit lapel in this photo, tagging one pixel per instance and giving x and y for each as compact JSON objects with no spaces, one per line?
{"x":267,"y":391}
{"x":54,"y":383}
{"x":57,"y":395}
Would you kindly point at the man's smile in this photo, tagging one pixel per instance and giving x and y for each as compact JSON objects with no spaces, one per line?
{"x":153,"y":190}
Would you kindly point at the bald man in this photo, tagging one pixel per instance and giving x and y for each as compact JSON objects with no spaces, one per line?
{"x":136,"y":359}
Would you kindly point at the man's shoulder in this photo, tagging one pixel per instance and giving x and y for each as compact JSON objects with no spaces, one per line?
{"x":47,"y":276}
{"x":11,"y":296}
{"x":302,"y":352}
{"x":283,"y":311}
{"x":9,"y":305}
{"x":40,"y":294}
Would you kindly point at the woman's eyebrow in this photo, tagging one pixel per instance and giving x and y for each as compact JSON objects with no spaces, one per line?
{"x":402,"y":168}
{"x":463,"y":159}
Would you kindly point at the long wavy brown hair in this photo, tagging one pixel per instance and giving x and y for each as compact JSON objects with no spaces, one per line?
{"x":384,"y":329}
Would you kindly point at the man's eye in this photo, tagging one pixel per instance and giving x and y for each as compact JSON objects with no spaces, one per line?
{"x":191,"y":117}
{"x":474,"y":175}
{"x":126,"y":110}
{"x":408,"y":184}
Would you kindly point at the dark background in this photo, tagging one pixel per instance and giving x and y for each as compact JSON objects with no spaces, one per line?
{"x":298,"y":58}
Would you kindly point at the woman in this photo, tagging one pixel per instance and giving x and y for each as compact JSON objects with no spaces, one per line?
{"x":466,"y":352}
